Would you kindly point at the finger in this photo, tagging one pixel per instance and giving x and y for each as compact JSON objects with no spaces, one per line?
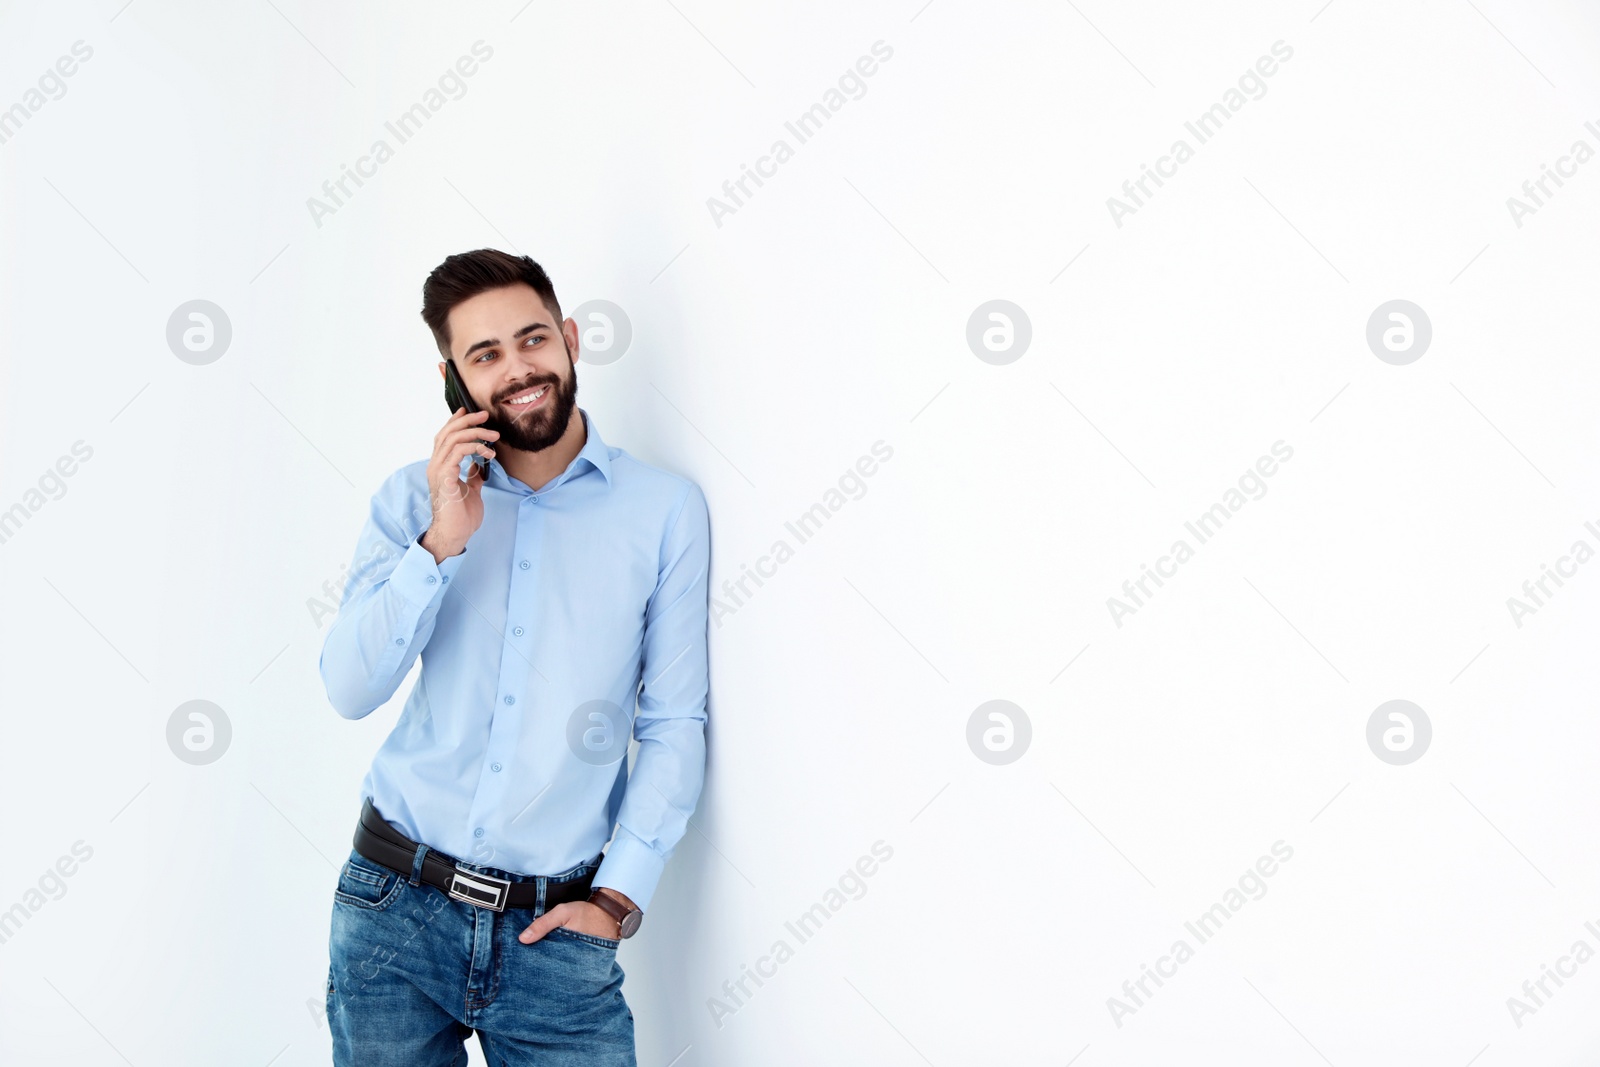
{"x":469,"y":418}
{"x":447,"y":467}
{"x":450,"y":490}
{"x":551,"y":919}
{"x":459,"y":450}
{"x":448,"y":423}
{"x":459,"y":418}
{"x":445,"y":484}
{"x":448,"y":437}
{"x":467,"y":435}
{"x":444,"y":473}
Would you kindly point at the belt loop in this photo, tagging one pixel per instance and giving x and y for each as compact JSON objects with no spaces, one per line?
{"x":416,"y":865}
{"x":541,"y":885}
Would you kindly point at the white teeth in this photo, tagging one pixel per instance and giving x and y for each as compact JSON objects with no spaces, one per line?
{"x":531,"y":398}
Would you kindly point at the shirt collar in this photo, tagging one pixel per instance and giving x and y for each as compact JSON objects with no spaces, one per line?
{"x":594,"y":448}
{"x":594,"y":451}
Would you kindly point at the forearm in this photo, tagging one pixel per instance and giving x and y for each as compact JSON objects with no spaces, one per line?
{"x":381,"y":629}
{"x":662,"y":793}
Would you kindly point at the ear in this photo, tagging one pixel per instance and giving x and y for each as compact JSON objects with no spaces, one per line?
{"x":569,"y":333}
{"x":442,"y":374}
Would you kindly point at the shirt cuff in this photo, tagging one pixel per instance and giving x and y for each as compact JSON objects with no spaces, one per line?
{"x":419,"y":579}
{"x":632,"y":868}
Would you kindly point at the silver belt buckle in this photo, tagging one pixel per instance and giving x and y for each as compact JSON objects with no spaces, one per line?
{"x":482,"y":890}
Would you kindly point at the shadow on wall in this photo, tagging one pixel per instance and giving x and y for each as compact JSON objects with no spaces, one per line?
{"x":665,"y":965}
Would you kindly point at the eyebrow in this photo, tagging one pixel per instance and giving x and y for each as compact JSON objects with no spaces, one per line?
{"x":491,"y":342}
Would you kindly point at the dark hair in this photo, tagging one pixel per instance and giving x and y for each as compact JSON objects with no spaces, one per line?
{"x":466,"y":274}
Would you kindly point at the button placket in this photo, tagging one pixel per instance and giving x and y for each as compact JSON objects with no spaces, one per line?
{"x":505,"y":724}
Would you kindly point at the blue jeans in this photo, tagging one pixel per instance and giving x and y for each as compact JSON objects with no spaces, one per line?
{"x":413,"y":972}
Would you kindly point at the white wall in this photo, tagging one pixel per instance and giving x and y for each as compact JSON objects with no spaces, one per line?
{"x":770,"y":352}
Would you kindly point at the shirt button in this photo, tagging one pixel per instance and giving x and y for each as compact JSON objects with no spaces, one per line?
{"x":432,"y":579}
{"x":478,"y":832}
{"x":525,"y":566}
{"x":511,"y":700}
{"x":534,"y":499}
{"x":399,"y":640}
{"x":494,"y":767}
{"x":446,"y":579}
{"x":517,"y":631}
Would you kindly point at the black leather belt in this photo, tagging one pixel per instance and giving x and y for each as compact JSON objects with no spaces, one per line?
{"x":383,"y":844}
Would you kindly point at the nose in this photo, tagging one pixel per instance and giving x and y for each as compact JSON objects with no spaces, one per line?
{"x":521,"y":372}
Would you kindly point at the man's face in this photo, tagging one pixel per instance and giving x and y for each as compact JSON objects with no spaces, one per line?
{"x":508,"y":347}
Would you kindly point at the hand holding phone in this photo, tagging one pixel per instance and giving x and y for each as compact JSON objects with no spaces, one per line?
{"x":457,"y":507}
{"x":456,"y":397}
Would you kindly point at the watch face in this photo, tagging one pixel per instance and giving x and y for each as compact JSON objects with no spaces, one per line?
{"x":630,"y":923}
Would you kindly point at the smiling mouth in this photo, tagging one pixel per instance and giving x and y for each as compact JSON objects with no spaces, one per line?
{"x":528,"y":398}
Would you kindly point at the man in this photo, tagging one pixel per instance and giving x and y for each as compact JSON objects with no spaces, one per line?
{"x":558,"y":585}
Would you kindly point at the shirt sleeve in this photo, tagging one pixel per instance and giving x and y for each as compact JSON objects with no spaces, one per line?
{"x":669,"y":769}
{"x":390,"y":602}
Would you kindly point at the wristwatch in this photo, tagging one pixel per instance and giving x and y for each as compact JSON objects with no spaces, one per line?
{"x":628,"y":919}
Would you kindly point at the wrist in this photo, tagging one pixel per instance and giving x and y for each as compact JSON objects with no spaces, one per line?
{"x":434,"y":549}
{"x":616,"y":895}
{"x":616,"y":923}
{"x":617,"y":905}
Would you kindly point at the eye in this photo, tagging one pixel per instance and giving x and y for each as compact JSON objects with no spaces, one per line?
{"x":483,"y":357}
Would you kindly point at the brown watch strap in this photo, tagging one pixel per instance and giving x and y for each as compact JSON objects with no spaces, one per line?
{"x":614,"y":908}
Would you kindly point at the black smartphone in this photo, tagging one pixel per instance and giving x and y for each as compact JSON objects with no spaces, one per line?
{"x":456,"y":396}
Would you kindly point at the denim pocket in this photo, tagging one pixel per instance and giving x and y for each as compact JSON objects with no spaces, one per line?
{"x":364,"y":884}
{"x":610,"y":943}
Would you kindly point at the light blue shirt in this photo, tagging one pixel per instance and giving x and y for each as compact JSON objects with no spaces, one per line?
{"x":511,"y":750}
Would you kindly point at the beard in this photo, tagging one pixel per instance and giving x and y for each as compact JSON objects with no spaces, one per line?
{"x":536,"y":430}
